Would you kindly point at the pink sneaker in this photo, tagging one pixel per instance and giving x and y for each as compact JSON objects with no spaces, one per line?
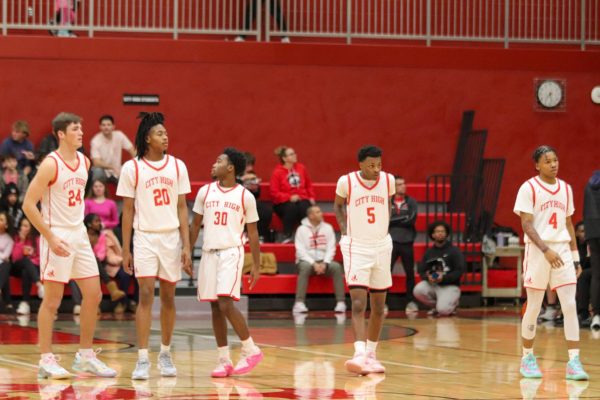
{"x":223,"y":369}
{"x":247,"y":363}
{"x":357,"y":364}
{"x":373,"y":365}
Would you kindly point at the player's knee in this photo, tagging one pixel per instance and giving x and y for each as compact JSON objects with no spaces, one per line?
{"x":378,"y":310}
{"x":359,"y":305}
{"x":225,"y":305}
{"x":51,"y":304}
{"x":167,"y":302}
{"x":146,"y":294}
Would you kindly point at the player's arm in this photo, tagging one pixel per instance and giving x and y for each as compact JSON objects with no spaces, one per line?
{"x":45,"y":175}
{"x":184,"y":232}
{"x":551,"y":256}
{"x":339,"y":207}
{"x":255,"y":250}
{"x":126,"y":230}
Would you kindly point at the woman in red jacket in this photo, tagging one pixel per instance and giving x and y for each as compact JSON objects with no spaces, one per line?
{"x":292,"y":192}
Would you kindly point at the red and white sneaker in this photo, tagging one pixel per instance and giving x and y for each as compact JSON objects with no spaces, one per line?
{"x":248,"y":362}
{"x":357,"y":364}
{"x":223,"y":369}
{"x":373,"y":365}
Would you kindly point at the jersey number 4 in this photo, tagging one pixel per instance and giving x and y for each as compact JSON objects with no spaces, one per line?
{"x":552,"y":221}
{"x":161,"y":197}
{"x":220,"y":218}
{"x":74,"y":197}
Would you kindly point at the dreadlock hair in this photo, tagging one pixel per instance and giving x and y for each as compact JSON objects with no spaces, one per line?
{"x":540,"y":151}
{"x":237,"y":159}
{"x":148,"y":121}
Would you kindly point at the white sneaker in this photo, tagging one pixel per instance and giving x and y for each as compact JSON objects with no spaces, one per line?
{"x":23,"y":320}
{"x":23,"y":308}
{"x":141,"y":371}
{"x":40,"y":290}
{"x":239,"y":39}
{"x":49,"y":368}
{"x":285,"y":39}
{"x":412,"y":307}
{"x":549,"y":314}
{"x":93,"y":365}
{"x":299,"y":307}
{"x":77,"y":309}
{"x":595,"y":325}
{"x":165,"y":364}
{"x":340,"y":307}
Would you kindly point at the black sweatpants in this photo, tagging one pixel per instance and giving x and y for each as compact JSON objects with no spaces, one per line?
{"x":406,"y":253}
{"x":291,"y":214}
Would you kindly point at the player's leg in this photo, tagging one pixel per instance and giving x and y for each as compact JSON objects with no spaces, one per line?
{"x":567,"y":294}
{"x":224,"y":366}
{"x":529,"y":367}
{"x":143,"y":322}
{"x":358,"y":298}
{"x":376,"y":318}
{"x":167,"y":325}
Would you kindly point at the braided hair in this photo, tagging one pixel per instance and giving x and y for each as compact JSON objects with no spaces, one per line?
{"x":148,"y":121}
{"x":540,"y":151}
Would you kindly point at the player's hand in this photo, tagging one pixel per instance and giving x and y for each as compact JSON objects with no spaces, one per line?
{"x":28,"y":154}
{"x":127,"y":262}
{"x":186,"y":262}
{"x":553,"y":258}
{"x":294,"y":198}
{"x":59,"y":246}
{"x":578,"y":269}
{"x":254,"y":276}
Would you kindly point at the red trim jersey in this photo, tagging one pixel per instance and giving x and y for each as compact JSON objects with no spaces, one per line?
{"x":367,"y":205}
{"x":63,"y":202}
{"x":550,"y":206}
{"x":155,"y":186}
{"x":225,"y":212}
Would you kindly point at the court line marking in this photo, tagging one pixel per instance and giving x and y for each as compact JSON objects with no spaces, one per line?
{"x":322,"y":353}
{"x":21,"y":363}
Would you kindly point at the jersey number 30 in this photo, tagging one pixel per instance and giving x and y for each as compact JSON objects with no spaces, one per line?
{"x":220,"y":218}
{"x":161,"y":197}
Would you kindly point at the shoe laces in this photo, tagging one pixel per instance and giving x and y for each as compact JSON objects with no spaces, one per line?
{"x":52,"y":359}
{"x":165,"y":359}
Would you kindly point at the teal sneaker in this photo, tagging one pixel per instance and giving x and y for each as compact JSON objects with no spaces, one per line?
{"x":575,"y":370}
{"x":529,"y":367}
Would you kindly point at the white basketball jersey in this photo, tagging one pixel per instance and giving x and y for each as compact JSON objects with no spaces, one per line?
{"x":63,"y":201}
{"x":156,"y":187}
{"x":550,"y":206}
{"x":225,"y":212}
{"x":367,"y":207}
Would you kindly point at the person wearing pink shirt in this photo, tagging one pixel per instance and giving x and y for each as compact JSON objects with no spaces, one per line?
{"x":26,"y":263}
{"x":97,"y":203}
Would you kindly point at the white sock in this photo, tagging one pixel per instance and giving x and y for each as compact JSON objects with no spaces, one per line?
{"x":46,"y":356}
{"x":371,"y":346}
{"x":573,"y":353}
{"x":165,"y":348}
{"x":87,"y":353}
{"x":223,"y":352}
{"x":360,"y":347}
{"x":143,"y":354}
{"x":248,"y":345}
{"x":527,"y":351}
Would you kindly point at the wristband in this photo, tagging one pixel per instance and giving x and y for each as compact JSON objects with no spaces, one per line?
{"x":575,"y":255}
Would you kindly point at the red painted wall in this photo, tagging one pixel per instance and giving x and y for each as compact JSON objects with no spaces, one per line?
{"x":324,"y":100}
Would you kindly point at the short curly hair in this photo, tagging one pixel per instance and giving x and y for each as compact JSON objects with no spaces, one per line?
{"x":434,"y":225}
{"x":237,"y":159}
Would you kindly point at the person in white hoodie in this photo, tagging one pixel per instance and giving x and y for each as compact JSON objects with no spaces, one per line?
{"x":315,"y":248}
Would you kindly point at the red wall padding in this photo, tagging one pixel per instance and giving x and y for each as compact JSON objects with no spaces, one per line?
{"x":324,"y":100}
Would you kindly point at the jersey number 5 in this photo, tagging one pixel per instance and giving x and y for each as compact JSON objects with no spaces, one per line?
{"x":552,"y":221}
{"x":371,"y":214}
{"x":161,"y":197}
{"x":74,"y":197}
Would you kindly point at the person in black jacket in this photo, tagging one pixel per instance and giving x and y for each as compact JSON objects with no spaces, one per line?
{"x":591,"y":221}
{"x":403,"y":233}
{"x":441,"y":269}
{"x":584,"y":281}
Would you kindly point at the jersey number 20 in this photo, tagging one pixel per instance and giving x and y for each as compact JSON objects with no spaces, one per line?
{"x":161,"y":197}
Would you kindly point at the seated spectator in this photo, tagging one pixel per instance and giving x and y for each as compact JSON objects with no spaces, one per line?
{"x":10,"y":174}
{"x":19,"y":146}
{"x":291,"y":191}
{"x":107,"y":252}
{"x":315,"y":249}
{"x":584,"y":281}
{"x":6,"y":246}
{"x":441,"y":269}
{"x":65,"y":12}
{"x":125,"y":280}
{"x":26,"y":263}
{"x":98,"y":204}
{"x":265,"y":212}
{"x":10,"y":204}
{"x":106,"y":149}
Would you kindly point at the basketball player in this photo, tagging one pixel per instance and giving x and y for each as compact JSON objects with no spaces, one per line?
{"x":65,"y":250}
{"x":362,"y":208}
{"x":153,"y":186}
{"x":225,"y":208}
{"x":545,"y":205}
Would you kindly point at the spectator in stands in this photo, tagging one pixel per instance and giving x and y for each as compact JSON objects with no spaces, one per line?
{"x":26,"y":263}
{"x":441,"y":269}
{"x":591,"y":220}
{"x":19,"y":146}
{"x":10,"y":204}
{"x":276,"y":13}
{"x":403,"y":233}
{"x":291,"y":190}
{"x":584,"y":281}
{"x":265,"y":212}
{"x":6,"y":246}
{"x":98,"y":203}
{"x":106,"y":149}
{"x":65,"y":12}
{"x":315,"y":249}
{"x":10,"y":174}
